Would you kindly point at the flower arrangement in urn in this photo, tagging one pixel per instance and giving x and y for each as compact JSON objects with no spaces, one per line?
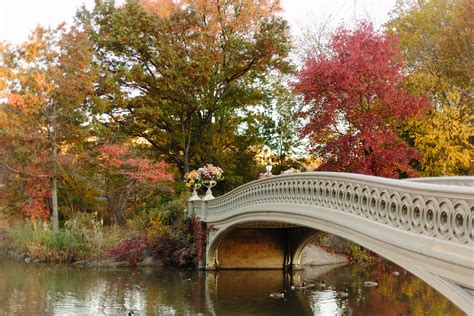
{"x":210,"y":175}
{"x":193,"y":182}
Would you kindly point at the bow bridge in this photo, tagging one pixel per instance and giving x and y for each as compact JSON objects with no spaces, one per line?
{"x":424,"y":225}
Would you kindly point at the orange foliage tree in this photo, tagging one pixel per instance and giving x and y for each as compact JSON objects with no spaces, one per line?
{"x":43,"y":83}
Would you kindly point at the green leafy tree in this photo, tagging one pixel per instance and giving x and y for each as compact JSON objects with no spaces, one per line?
{"x":188,"y":76}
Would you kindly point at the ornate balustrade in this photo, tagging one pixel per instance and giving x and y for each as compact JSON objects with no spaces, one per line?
{"x":425,"y":225}
{"x":441,"y":211}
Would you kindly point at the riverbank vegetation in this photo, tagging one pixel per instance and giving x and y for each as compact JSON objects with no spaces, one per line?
{"x":100,"y":120}
{"x":164,"y":239}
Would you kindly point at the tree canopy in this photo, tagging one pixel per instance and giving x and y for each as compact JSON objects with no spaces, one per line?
{"x":436,"y":42}
{"x":101,"y":116}
{"x":187,"y":76}
{"x":355,"y":103}
{"x":44,"y":83}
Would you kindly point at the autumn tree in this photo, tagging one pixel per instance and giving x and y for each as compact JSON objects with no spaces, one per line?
{"x":436,"y":42}
{"x":43,"y":83}
{"x":355,"y":102}
{"x":186,"y":76}
{"x":123,"y":172}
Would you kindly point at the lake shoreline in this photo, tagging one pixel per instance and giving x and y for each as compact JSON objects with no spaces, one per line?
{"x":326,"y":252}
{"x":324,"y":258}
{"x":10,"y":251}
{"x":110,"y":263}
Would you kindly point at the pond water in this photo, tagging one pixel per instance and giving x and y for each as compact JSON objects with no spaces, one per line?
{"x":36,"y":289}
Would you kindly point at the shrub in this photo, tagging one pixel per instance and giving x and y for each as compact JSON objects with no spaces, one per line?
{"x":181,"y":246}
{"x":166,"y":218}
{"x":153,"y":218}
{"x":174,"y":250}
{"x":130,"y":250}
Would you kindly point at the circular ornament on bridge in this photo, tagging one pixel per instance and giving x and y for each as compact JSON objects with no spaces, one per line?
{"x":290,"y":191}
{"x":416,"y":214}
{"x":374,"y":204}
{"x":281,"y":189}
{"x":310,"y":191}
{"x":341,"y":193}
{"x":443,"y":219}
{"x":274,"y":186}
{"x":293,"y":190}
{"x":263,"y":196}
{"x":334,"y":187}
{"x":364,"y":202}
{"x":460,"y":222}
{"x":348,"y":194}
{"x":384,"y":204}
{"x":268,"y":193}
{"x":404,"y":211}
{"x":313,"y":192}
{"x":300,"y":191}
{"x":394,"y":209}
{"x":275,"y":194}
{"x":429,"y":216}
{"x":356,"y":198}
{"x":320,"y":194}
{"x":327,"y":194}
{"x":286,"y":191}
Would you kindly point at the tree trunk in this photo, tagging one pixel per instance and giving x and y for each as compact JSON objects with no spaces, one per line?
{"x":54,"y":191}
{"x":54,"y":186}
{"x":55,"y":217}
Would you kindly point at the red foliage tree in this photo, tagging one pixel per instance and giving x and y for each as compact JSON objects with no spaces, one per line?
{"x":355,"y":97}
{"x":125,"y":173}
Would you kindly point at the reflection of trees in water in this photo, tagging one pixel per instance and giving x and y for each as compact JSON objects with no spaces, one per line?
{"x":402,"y":295}
{"x":396,"y":295}
{"x":38,"y":290}
{"x":43,"y":290}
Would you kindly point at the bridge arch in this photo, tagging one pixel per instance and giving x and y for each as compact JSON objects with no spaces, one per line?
{"x":286,"y":240}
{"x":426,"y":228}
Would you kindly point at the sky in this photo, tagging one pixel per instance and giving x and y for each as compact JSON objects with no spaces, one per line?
{"x":19,"y":17}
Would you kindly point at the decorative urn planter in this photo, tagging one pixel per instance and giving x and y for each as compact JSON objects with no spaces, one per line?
{"x":210,"y":175}
{"x":193,"y":182}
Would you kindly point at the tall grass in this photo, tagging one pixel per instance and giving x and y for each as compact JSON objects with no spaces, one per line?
{"x":82,"y":237}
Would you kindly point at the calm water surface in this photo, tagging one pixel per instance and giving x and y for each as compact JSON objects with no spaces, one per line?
{"x":34,"y":289}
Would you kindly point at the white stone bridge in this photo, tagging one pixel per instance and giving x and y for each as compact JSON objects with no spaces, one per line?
{"x":424,"y":225}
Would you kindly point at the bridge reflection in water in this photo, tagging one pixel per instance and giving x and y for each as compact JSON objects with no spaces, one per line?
{"x":423,"y":225}
{"x":27,"y":289}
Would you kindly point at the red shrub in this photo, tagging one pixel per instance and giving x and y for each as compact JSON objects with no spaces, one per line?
{"x":130,"y":250}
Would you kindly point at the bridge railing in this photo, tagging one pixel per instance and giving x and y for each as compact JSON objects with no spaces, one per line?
{"x":441,"y":211}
